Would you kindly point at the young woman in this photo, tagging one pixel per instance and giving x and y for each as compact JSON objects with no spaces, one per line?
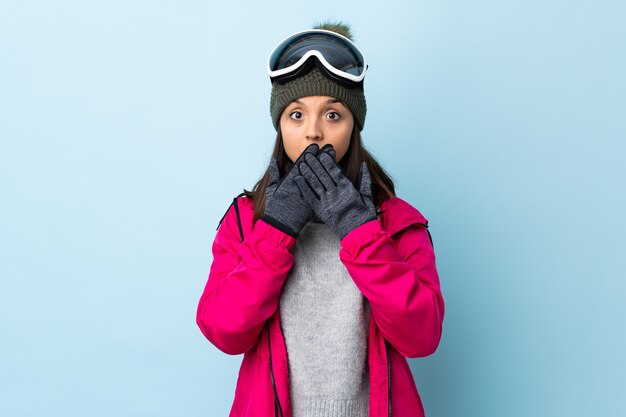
{"x":321,"y":276}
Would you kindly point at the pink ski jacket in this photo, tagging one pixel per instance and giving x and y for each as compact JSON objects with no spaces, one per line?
{"x":391,"y":261}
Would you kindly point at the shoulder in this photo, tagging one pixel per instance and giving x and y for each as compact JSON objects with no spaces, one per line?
{"x":239,"y":216}
{"x":397,"y":214}
{"x":240,"y":206}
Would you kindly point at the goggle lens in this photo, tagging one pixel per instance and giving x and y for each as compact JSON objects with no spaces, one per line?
{"x":338,"y":52}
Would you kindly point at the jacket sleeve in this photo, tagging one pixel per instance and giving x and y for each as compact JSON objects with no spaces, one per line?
{"x":244,"y":283}
{"x":399,"y":278}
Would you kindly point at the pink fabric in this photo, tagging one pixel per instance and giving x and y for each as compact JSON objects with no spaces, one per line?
{"x":391,"y":261}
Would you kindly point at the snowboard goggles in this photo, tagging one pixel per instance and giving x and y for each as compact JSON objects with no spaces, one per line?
{"x":336,"y":56}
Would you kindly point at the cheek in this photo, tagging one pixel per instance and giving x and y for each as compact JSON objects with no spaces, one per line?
{"x":345,"y":137}
{"x":341,"y":146}
{"x":291,"y":150}
{"x":290,"y":145}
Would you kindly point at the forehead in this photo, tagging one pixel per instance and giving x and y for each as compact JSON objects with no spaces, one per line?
{"x":315,"y":101}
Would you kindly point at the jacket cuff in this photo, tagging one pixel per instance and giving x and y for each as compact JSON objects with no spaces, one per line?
{"x":274,"y":235}
{"x":364,"y":233}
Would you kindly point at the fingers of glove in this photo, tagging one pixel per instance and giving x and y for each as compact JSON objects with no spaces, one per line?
{"x":312,"y":149}
{"x":329,"y":148}
{"x":308,"y":194}
{"x":365,"y":181}
{"x":311,"y":177}
{"x":327,"y":159}
{"x":273,"y":171}
{"x":322,"y":174}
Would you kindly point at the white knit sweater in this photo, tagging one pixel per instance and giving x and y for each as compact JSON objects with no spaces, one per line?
{"x":325,"y":322}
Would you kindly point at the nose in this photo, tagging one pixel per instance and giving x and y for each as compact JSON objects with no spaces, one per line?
{"x":313,"y":131}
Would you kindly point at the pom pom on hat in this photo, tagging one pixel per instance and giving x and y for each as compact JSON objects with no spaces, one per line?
{"x":337,"y":27}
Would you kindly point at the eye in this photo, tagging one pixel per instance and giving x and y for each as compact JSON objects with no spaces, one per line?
{"x":296,"y":115}
{"x":333,"y":115}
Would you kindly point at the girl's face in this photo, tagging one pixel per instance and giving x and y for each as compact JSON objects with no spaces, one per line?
{"x":316,"y":119}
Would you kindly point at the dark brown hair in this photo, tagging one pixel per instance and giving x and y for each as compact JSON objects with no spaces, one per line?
{"x":382,"y":183}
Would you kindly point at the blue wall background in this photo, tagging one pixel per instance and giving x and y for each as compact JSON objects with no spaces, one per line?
{"x":127,"y":127}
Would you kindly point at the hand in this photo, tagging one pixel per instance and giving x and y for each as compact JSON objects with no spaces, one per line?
{"x":285,"y":207}
{"x":330,"y":193}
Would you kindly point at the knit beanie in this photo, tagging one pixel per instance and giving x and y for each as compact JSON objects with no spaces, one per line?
{"x":314,"y":83}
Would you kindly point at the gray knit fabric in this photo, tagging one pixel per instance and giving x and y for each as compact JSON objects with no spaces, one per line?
{"x":325,"y":323}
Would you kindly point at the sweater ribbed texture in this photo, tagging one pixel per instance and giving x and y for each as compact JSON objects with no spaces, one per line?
{"x":325,"y":323}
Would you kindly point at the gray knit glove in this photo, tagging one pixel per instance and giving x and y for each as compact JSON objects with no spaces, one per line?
{"x":285,"y":207}
{"x":332,"y":196}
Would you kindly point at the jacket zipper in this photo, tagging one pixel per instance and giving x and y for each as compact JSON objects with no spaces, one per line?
{"x":277,"y":406}
{"x":388,"y":378}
